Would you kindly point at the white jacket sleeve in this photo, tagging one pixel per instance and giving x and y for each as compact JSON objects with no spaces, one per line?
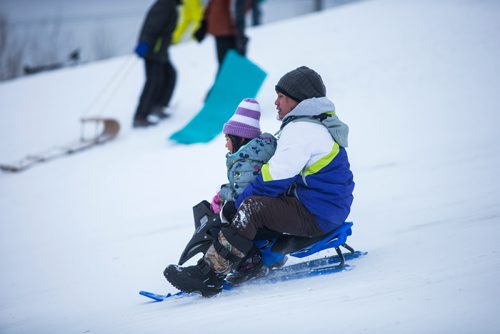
{"x":300,"y":145}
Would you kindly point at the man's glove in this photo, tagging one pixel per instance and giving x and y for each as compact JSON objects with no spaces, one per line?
{"x":228,"y":211}
{"x":142,"y":49}
{"x":241,"y":44}
{"x":201,"y":32}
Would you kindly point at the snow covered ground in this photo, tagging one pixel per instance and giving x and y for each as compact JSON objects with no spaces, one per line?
{"x":417,"y":81}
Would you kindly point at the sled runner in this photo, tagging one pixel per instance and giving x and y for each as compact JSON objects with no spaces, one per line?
{"x":105,"y":129}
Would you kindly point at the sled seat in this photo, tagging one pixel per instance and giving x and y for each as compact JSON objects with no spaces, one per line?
{"x":304,"y":246}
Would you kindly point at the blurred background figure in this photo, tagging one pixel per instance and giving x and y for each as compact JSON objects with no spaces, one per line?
{"x":256,"y":12}
{"x":153,"y":46}
{"x":102,"y":29}
{"x":190,"y":18}
{"x":225,"y":20}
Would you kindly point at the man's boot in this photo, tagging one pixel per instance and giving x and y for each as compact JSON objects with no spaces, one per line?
{"x":254,"y":266}
{"x":207,"y":276}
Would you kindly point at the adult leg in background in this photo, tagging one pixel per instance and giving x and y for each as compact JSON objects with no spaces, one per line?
{"x":153,"y":84}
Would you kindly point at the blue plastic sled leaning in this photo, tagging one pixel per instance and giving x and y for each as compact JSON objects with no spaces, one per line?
{"x":227,"y":92}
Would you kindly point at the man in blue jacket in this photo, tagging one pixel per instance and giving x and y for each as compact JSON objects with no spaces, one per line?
{"x":304,"y":190}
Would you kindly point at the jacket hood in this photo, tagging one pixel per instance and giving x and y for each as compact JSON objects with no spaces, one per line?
{"x":312,"y":107}
{"x":319,"y":105}
{"x":260,"y":148}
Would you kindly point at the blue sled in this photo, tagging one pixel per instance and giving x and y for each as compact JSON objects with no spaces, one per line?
{"x":275,"y":250}
{"x":300,"y":247}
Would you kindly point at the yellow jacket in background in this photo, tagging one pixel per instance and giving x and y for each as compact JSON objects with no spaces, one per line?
{"x":190,"y":18}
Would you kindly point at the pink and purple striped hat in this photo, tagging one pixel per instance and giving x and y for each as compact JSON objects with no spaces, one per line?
{"x":245,"y":121}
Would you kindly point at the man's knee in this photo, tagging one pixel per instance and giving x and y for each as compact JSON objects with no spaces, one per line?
{"x":253,"y":203}
{"x":249,"y":218}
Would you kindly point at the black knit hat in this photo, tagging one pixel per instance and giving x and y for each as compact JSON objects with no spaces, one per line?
{"x":301,"y":83}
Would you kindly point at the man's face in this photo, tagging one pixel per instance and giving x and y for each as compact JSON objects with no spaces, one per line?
{"x":284,"y":105}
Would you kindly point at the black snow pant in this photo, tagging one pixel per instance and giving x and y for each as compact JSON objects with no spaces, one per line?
{"x":158,"y":88}
{"x":259,"y":215}
{"x":223,"y":45}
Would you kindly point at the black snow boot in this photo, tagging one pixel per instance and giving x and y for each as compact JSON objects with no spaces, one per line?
{"x":252,"y":267}
{"x":207,"y":277}
{"x":199,"y":278}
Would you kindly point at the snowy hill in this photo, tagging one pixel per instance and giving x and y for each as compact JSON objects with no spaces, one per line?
{"x":417,"y":81}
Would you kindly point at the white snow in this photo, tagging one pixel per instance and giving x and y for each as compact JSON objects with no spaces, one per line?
{"x":417,"y":82}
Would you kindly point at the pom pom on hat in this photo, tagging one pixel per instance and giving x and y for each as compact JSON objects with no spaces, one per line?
{"x":246,"y":120}
{"x":301,"y":84}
